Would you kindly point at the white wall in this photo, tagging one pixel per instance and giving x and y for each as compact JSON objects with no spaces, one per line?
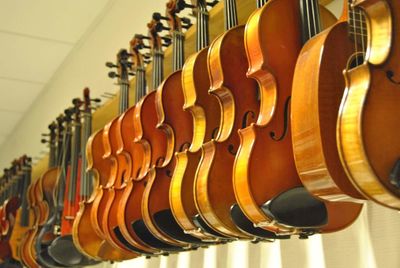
{"x":373,"y":241}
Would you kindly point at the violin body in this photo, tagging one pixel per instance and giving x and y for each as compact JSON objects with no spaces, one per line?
{"x":264,"y":167}
{"x":18,"y":233}
{"x":157,"y":149}
{"x":26,"y":251}
{"x":237,"y":96}
{"x":205,"y":111}
{"x":120,"y":173}
{"x":178,"y":127}
{"x":129,"y":209}
{"x":97,"y":206}
{"x":368,"y":120}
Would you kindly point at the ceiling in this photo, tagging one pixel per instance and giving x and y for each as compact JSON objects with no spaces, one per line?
{"x":36,"y":37}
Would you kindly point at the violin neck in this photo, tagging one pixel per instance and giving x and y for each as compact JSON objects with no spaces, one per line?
{"x":66,"y":153}
{"x":86,"y":179}
{"x":75,"y":152}
{"x":310,"y":19}
{"x":124,"y":96}
{"x":177,"y":50}
{"x":52,"y":154}
{"x":230,"y":12}
{"x":202,"y":37}
{"x":140,"y":82}
{"x":158,"y":67}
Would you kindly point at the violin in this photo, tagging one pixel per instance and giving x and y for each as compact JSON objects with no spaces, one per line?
{"x":23,"y":217}
{"x":52,"y":185}
{"x":367,"y":141}
{"x":268,"y":204}
{"x":87,"y":236}
{"x":129,"y":207}
{"x":177,"y":124}
{"x":26,"y":250}
{"x":205,"y":111}
{"x":154,"y":142}
{"x":38,"y":208}
{"x":238,"y":99}
{"x":318,"y":163}
{"x":103,"y":163}
{"x":62,"y":248}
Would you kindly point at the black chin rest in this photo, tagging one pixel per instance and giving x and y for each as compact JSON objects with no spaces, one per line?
{"x":200,"y":223}
{"x":244,"y":224}
{"x":147,"y":237}
{"x":297,"y":208}
{"x":167,"y":223}
{"x":122,"y":239}
{"x":63,"y":250}
{"x":46,"y":260}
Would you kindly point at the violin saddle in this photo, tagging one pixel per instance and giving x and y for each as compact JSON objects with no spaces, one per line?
{"x":297,"y":208}
{"x":245,"y":225}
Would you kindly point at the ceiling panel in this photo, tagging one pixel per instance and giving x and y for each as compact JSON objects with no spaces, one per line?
{"x":17,"y":95}
{"x":63,"y":20}
{"x":30,"y":59}
{"x":8,"y":121}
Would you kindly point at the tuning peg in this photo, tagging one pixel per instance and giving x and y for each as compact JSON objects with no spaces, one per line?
{"x":181,"y":5}
{"x":132,"y":73}
{"x":142,"y":36}
{"x":166,"y":38}
{"x":147,"y":56}
{"x":166,"y":43}
{"x":212,"y":3}
{"x":157,"y":16}
{"x":186,"y":20}
{"x":113,"y":75}
{"x":111,"y":65}
{"x":160,"y":27}
{"x":96,"y":100}
{"x":45,"y":135}
{"x":145,"y":47}
{"x":44,"y":141}
{"x":147,"y":61}
{"x":77,"y":102}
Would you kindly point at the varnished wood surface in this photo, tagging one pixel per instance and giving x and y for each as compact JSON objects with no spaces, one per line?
{"x":368,"y":120}
{"x":110,"y":108}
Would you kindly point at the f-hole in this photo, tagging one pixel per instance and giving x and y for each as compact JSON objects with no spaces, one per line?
{"x":123,"y":177}
{"x":184,"y":146}
{"x":168,"y":173}
{"x":214,"y":133}
{"x":160,"y":161}
{"x":390,"y":76}
{"x":245,"y":119}
{"x":231,"y":149}
{"x":272,"y":134}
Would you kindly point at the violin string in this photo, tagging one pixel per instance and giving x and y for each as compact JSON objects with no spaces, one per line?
{"x":308,"y":19}
{"x":353,"y":22}
{"x":362,"y":31}
{"x":313,"y":22}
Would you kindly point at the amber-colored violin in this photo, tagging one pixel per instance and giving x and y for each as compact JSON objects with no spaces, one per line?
{"x":237,"y":96}
{"x":178,"y":127}
{"x":153,"y":140}
{"x":86,"y":238}
{"x":315,"y":107}
{"x":26,"y":251}
{"x":129,"y":208}
{"x":110,"y":174}
{"x":205,"y":111}
{"x":368,"y":121}
{"x":267,"y":185}
{"x":23,"y":217}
